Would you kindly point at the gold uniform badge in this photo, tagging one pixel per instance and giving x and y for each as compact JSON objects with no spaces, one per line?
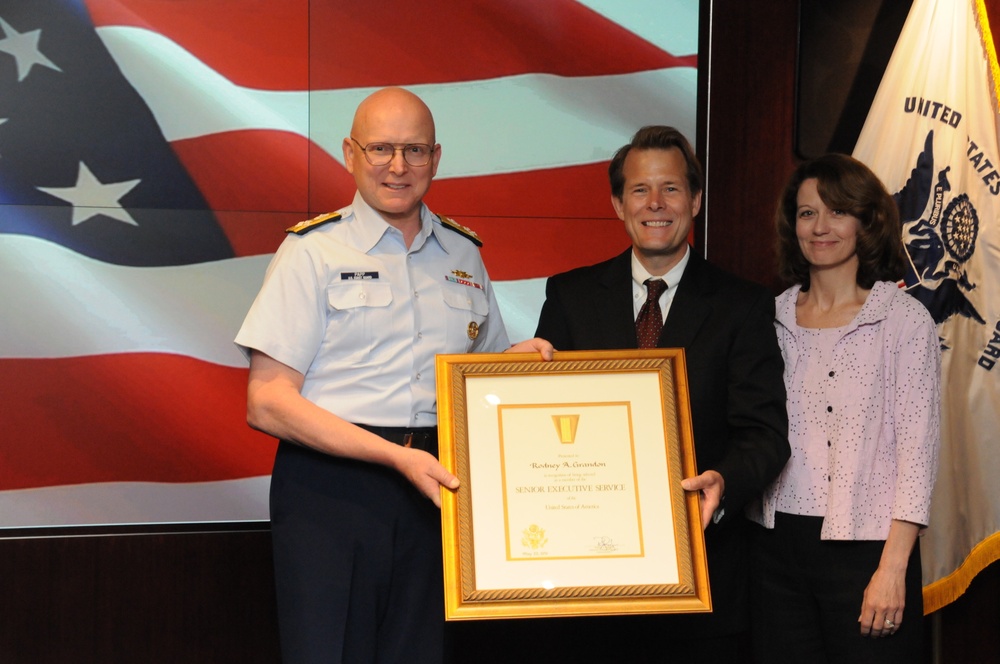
{"x":473,"y":330}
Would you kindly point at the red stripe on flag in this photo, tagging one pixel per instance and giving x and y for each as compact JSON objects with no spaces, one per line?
{"x":528,"y":248}
{"x":254,"y":43}
{"x":254,"y":233}
{"x":265,"y":44}
{"x":229,"y":171}
{"x":513,"y":247}
{"x":565,"y":192}
{"x":120,"y":418}
{"x":445,"y":42}
{"x":257,"y":199}
{"x":265,"y":170}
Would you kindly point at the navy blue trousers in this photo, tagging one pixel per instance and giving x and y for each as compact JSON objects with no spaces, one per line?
{"x":357,"y":559}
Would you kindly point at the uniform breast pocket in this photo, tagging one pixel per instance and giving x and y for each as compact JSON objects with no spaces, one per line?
{"x":359,"y":314}
{"x":466,"y":309}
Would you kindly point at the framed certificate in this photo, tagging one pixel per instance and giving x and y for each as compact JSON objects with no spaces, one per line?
{"x":570,"y":500}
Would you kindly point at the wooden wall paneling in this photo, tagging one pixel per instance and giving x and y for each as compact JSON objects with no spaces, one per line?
{"x":750,"y":140}
{"x":192,"y":598}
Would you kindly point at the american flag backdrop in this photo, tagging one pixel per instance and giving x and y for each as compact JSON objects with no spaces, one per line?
{"x":153,"y":151}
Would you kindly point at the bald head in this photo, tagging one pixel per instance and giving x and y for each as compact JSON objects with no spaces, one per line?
{"x":390,"y":108}
{"x":395,"y":118}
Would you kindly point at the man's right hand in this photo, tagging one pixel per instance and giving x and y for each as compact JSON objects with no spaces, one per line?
{"x":426,"y":473}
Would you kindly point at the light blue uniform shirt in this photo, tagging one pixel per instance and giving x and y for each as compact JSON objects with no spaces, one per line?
{"x":362,"y":318}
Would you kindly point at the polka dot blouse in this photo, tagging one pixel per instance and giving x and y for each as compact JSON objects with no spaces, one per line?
{"x":864,"y":406}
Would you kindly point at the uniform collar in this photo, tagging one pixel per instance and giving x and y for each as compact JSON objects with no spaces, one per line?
{"x":371,"y":227}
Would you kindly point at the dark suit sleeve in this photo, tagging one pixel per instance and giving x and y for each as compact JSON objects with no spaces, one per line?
{"x":553,"y":322}
{"x":757,"y":418}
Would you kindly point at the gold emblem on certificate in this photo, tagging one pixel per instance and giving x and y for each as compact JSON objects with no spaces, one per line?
{"x":473,"y":330}
{"x":566,"y":427}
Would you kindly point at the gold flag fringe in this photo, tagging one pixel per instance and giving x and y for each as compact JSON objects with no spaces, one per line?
{"x":983,"y":23}
{"x":946,"y":590}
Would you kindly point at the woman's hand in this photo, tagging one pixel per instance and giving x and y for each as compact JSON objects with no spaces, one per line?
{"x":885,"y":597}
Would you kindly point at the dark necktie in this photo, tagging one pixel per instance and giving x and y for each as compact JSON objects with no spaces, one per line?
{"x":650,"y":319}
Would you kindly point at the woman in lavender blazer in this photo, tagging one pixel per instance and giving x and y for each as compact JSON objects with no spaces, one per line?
{"x":836,"y":566}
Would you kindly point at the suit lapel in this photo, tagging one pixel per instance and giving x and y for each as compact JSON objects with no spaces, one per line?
{"x":614,"y":299}
{"x":689,"y":309}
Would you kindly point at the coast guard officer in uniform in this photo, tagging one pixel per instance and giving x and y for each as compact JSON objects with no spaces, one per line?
{"x":341,"y":340}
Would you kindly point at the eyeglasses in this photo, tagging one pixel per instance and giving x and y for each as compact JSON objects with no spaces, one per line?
{"x":380,"y":154}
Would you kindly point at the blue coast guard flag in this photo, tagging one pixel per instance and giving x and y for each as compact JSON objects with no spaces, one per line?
{"x":931,"y":136}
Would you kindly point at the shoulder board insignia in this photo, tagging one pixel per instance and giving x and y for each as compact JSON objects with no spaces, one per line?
{"x":304,"y":227}
{"x":464,"y":231}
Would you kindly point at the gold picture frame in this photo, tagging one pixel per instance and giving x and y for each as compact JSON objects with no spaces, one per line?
{"x":570,"y":500}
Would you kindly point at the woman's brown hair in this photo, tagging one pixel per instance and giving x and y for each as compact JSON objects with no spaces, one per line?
{"x":845,"y":184}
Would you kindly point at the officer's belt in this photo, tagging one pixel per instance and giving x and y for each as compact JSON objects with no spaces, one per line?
{"x":421,"y":438}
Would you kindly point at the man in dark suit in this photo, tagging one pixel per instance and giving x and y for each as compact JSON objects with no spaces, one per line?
{"x":725,"y":325}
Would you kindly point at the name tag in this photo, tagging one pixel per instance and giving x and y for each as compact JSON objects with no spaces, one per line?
{"x":355,"y":276}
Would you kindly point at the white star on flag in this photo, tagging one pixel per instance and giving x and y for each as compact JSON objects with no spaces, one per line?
{"x":24,"y":47}
{"x":91,"y":197}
